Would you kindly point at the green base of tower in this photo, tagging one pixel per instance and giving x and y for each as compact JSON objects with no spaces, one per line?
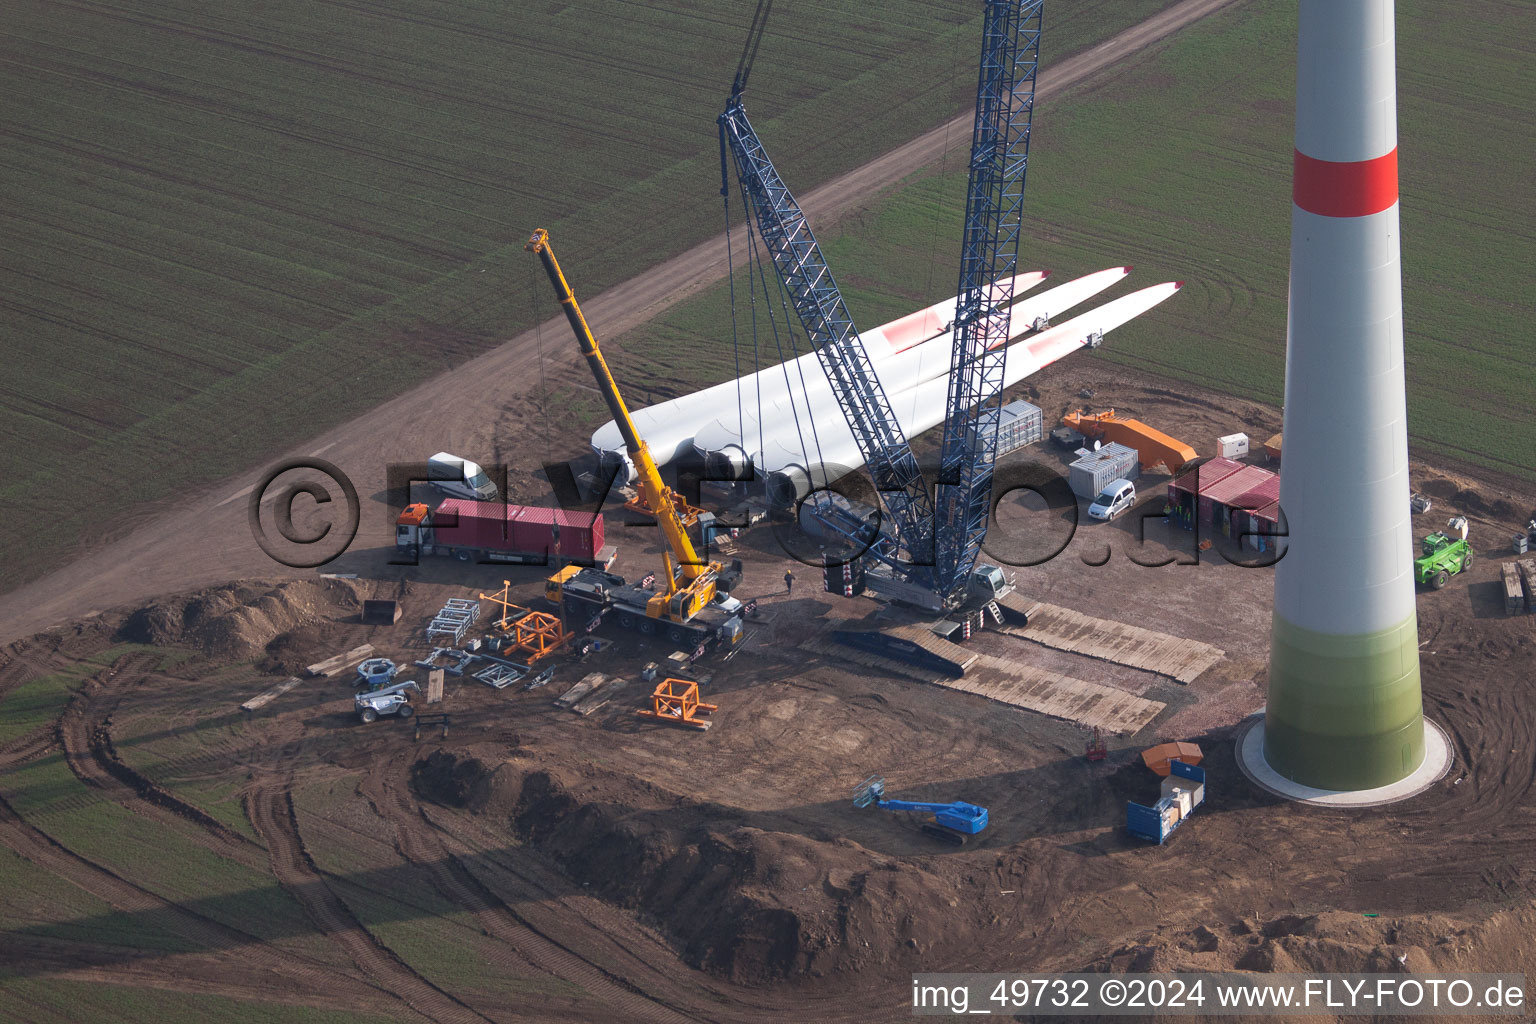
{"x":1344,"y":712}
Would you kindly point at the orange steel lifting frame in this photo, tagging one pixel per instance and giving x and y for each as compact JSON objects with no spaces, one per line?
{"x":536,"y":634}
{"x":509,"y":611}
{"x":677,"y":701}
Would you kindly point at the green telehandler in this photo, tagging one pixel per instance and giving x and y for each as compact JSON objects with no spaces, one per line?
{"x":1444,"y":556}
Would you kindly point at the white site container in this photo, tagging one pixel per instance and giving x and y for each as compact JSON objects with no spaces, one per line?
{"x":1232,"y":446}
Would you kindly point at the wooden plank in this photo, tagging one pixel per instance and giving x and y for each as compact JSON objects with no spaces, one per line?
{"x":340,"y":661}
{"x":1060,"y":696}
{"x":1023,"y":686}
{"x":1120,"y":642}
{"x":589,"y":682}
{"x":262,"y":700}
{"x":1528,"y":577}
{"x":597,"y":697}
{"x":1514,"y":591}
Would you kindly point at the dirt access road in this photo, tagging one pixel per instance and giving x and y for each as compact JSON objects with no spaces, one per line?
{"x":207,"y":539}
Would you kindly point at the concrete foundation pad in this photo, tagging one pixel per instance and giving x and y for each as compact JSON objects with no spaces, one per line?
{"x":1250,"y":758}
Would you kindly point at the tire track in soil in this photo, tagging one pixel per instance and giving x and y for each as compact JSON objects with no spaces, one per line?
{"x":270,"y":808}
{"x":85,"y":732}
{"x":35,"y":845}
{"x":416,"y":840}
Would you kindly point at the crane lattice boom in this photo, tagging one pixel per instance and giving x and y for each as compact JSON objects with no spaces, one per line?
{"x":989,"y":255}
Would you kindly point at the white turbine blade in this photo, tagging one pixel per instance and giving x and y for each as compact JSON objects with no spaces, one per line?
{"x":916,"y":328}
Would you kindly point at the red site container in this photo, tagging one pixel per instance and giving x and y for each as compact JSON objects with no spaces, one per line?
{"x":1226,"y":490}
{"x":1201,"y":479}
{"x":1250,"y":501}
{"x":558,"y":531}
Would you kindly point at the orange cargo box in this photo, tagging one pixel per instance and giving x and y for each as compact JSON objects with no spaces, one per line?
{"x":1157,"y":757}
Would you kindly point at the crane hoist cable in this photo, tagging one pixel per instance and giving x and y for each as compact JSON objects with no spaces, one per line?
{"x":730,"y":276}
{"x":784,"y":360}
{"x":754,"y":40}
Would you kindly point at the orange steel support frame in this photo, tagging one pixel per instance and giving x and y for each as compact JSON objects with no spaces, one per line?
{"x":539,"y":634}
{"x":677,"y":700}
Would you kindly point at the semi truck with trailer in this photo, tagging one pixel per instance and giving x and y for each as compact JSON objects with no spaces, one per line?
{"x":483,"y":531}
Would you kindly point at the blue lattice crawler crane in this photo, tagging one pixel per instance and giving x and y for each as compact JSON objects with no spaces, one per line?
{"x":954,"y":822}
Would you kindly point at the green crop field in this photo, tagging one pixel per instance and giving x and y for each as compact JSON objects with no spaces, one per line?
{"x":225,"y":231}
{"x":143,"y":852}
{"x":1179,"y":163}
{"x":56,"y":1001}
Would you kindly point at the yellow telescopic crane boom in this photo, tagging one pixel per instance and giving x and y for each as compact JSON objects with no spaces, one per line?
{"x":699,"y":574}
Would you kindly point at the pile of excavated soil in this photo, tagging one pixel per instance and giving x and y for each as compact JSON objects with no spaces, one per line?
{"x":744,"y":903}
{"x":240,"y":617}
{"x":1337,"y":942}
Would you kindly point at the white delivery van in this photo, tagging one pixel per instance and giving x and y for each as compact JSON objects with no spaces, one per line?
{"x":459,"y":478}
{"x":1117,"y":496}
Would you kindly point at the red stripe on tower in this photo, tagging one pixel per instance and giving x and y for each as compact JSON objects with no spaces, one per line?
{"x":1354,"y":189}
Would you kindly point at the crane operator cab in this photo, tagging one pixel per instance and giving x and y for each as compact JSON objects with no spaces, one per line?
{"x":987,"y":583}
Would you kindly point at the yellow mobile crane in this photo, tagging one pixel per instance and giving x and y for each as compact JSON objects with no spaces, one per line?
{"x":691,"y":602}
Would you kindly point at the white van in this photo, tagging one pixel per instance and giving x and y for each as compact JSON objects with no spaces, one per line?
{"x":459,"y":478}
{"x":1116,"y":497}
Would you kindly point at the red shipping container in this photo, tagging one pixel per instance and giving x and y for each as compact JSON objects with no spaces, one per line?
{"x":1257,"y":497}
{"x":487,"y":525}
{"x":461,"y":523}
{"x":1266,"y":519}
{"x":581,"y":533}
{"x":533,"y":529}
{"x":525,"y":529}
